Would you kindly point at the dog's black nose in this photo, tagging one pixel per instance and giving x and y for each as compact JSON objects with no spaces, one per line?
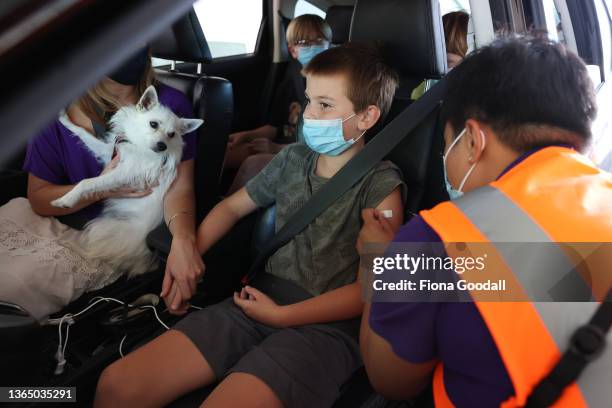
{"x":161,"y":146}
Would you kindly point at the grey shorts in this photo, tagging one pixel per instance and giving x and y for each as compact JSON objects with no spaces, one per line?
{"x":305,"y":366}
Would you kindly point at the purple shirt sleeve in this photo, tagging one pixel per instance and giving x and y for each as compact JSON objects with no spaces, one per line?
{"x":181,"y":106}
{"x":44,"y":156}
{"x":409,"y":327}
{"x":453,"y":332}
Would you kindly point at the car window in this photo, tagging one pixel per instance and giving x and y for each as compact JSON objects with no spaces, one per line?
{"x":605,"y":31}
{"x":231,"y":27}
{"x":306,"y":7}
{"x":554,"y":27}
{"x":448,"y":6}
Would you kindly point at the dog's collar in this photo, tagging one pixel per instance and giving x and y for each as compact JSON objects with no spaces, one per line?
{"x":121,"y":139}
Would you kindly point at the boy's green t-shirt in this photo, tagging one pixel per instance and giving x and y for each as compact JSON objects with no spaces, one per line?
{"x":323,"y":256}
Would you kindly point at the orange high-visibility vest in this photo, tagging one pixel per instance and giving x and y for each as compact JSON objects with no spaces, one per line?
{"x":554,"y":196}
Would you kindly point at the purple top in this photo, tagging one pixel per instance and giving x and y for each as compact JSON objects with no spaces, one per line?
{"x":59,"y":157}
{"x":453,"y":332}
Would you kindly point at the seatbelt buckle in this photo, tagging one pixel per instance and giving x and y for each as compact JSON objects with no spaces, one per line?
{"x":588,"y":342}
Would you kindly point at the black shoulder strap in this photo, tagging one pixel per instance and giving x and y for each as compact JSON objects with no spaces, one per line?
{"x":376,"y":150}
{"x":586,"y":345}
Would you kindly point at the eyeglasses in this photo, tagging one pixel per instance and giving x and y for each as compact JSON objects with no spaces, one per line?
{"x":308,"y":43}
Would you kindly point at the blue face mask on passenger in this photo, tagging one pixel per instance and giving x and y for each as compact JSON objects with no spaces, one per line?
{"x":307,"y":53}
{"x":452,"y":193}
{"x":326,"y":136}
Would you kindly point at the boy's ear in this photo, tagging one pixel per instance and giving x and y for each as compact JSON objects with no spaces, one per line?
{"x":372,"y":114}
{"x":189,"y":125}
{"x":148,"y":98}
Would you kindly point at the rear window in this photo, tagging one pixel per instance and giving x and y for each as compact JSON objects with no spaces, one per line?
{"x":306,"y":7}
{"x":231,"y":27}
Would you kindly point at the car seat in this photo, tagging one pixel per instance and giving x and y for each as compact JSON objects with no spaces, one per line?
{"x":212,"y":99}
{"x":339,"y":19}
{"x":411,"y":37}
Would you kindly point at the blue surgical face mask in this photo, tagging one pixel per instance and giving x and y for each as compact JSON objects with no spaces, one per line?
{"x":452,"y":193}
{"x":307,"y":53}
{"x":326,"y":136}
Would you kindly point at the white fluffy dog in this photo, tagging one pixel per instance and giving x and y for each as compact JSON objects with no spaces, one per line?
{"x":148,"y":138}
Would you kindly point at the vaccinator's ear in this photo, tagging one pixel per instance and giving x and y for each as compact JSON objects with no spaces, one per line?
{"x":189,"y":125}
{"x":148,"y":98}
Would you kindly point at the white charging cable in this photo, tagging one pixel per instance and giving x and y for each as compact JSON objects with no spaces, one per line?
{"x":60,"y":354}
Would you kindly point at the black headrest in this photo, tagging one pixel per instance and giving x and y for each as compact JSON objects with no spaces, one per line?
{"x":339,"y":19}
{"x":183,"y":41}
{"x":410,"y":34}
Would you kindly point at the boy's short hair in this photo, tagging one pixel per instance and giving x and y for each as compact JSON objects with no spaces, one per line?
{"x":370,"y":80}
{"x":532,"y":92}
{"x":308,"y":27}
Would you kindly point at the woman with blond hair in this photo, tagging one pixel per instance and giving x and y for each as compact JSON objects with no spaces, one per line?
{"x":38,"y":268}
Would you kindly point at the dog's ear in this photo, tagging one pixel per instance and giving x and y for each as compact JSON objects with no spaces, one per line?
{"x":148,"y":98}
{"x":189,"y":125}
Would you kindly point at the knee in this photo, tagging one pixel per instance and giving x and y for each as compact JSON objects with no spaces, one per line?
{"x":113,"y":389}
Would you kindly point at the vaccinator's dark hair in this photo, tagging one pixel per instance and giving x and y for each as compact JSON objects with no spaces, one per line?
{"x":531,"y":91}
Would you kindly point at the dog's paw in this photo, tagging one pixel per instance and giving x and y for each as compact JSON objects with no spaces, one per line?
{"x":64,"y":202}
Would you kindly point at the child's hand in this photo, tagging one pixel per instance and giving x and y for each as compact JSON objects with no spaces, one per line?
{"x":184,"y":268}
{"x":263,"y":145}
{"x":376,"y":228}
{"x":237,"y":138}
{"x":174,"y":296}
{"x":260,"y":307}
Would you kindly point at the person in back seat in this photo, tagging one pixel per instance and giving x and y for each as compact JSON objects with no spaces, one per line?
{"x":307,"y":35}
{"x":455,"y":36}
{"x":38,"y":270}
{"x":290,"y":338}
{"x":517,"y":115}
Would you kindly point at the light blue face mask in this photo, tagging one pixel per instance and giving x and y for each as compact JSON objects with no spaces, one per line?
{"x":326,"y":136}
{"x":306,"y":54}
{"x":452,"y":193}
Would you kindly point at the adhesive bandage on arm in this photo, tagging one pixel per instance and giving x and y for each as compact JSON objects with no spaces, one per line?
{"x":387,"y":213}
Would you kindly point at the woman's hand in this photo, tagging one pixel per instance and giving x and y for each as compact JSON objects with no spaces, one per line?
{"x":121,"y":192}
{"x":184,"y":268}
{"x":376,"y":229}
{"x":260,"y":307}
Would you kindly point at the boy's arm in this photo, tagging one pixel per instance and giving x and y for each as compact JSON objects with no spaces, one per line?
{"x":223,"y":217}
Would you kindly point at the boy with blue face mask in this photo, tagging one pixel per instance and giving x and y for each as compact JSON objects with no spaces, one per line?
{"x":289,"y":350}
{"x":307,"y":35}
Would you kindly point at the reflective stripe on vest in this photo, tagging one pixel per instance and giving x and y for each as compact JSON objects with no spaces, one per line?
{"x":553,"y":196}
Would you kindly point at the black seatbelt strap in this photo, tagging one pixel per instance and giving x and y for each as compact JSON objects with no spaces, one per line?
{"x":376,"y":150}
{"x":587,"y":343}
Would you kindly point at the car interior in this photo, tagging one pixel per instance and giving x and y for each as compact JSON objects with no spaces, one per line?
{"x":233,"y":93}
